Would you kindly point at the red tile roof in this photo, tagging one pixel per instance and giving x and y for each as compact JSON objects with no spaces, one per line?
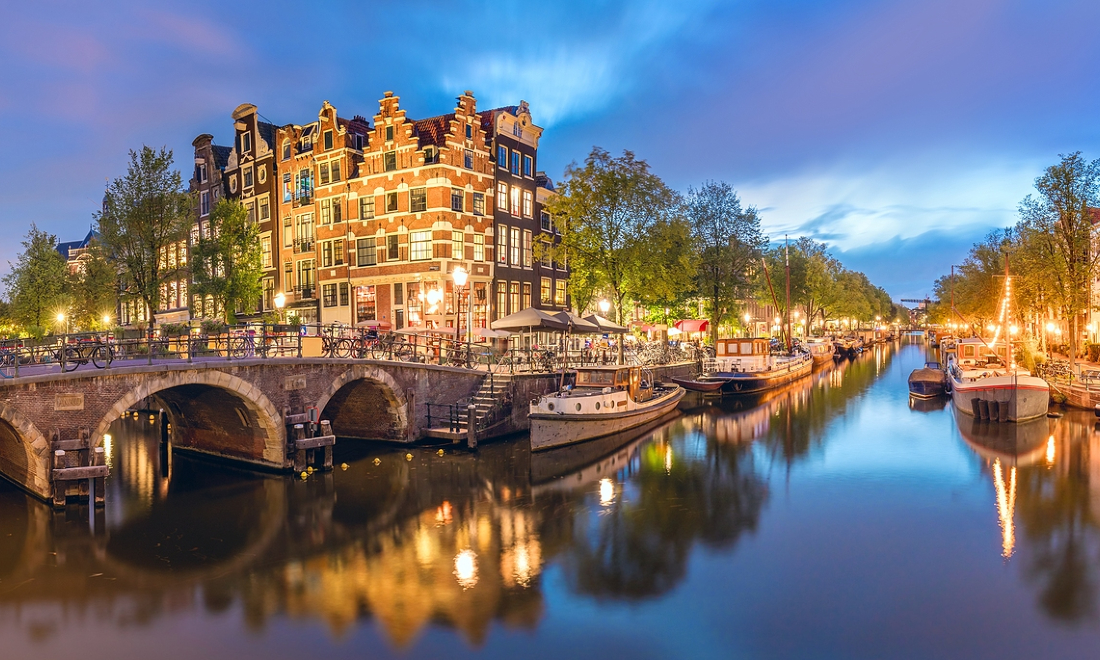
{"x":433,"y":130}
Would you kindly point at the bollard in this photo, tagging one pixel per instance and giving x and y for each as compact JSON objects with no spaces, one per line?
{"x":471,"y":427}
{"x":983,"y":407}
{"x":976,"y":407}
{"x":299,"y":455}
{"x":1004,"y":412}
{"x":994,"y":411}
{"x":163,"y":427}
{"x":326,"y":429}
{"x":59,"y":486}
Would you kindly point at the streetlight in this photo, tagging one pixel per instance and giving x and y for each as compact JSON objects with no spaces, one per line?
{"x":280,"y":303}
{"x":604,"y":306}
{"x":460,"y":277}
{"x":62,"y":323}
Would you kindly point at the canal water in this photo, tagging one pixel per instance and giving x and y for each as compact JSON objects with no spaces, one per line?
{"x":831,"y":519}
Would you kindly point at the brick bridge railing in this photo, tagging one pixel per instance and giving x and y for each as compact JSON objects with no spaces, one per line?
{"x":235,"y":409}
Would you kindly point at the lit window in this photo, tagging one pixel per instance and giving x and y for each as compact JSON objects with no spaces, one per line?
{"x":527,"y":248}
{"x":458,"y":245}
{"x":528,"y":204}
{"x":515,"y":200}
{"x":502,"y":196}
{"x":515,"y":246}
{"x":545,"y":291}
{"x":479,"y":247}
{"x":265,"y":251}
{"x":502,"y":245}
{"x":479,"y":203}
{"x":559,"y":292}
{"x":420,"y":245}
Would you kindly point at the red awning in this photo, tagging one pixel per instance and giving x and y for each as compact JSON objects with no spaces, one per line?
{"x":692,"y":325}
{"x":641,"y":327}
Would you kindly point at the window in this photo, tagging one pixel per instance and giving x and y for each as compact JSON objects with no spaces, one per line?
{"x":326,"y":258}
{"x":305,"y":184}
{"x":528,"y":165}
{"x":430,"y":155}
{"x":246,"y":142}
{"x":515,"y":246}
{"x":247,"y":176}
{"x":398,"y":293}
{"x":389,"y":161}
{"x":202,"y":173}
{"x":418,"y":200}
{"x":265,"y":210}
{"x":288,"y":275}
{"x":421,"y":245}
{"x":305,"y":277}
{"x":502,"y":196}
{"x":324,"y":173}
{"x":204,"y":203}
{"x":364,"y":252}
{"x":286,"y":149}
{"x":338,"y":252}
{"x":389,"y":133}
{"x":468,"y":160}
{"x":343,"y":294}
{"x":502,"y":157}
{"x":517,"y":129}
{"x":513,"y":296}
{"x":334,"y":169}
{"x":268,"y":287}
{"x":304,"y":230}
{"x":288,"y":189}
{"x":328,"y":295}
{"x":559,"y":292}
{"x":233,"y":183}
{"x":265,"y":251}
{"x":288,"y":236}
{"x":251,"y":206}
{"x":366,"y":208}
{"x":412,"y":297}
{"x":526,"y":295}
{"x":502,"y":299}
{"x":392,"y":252}
{"x":458,"y":245}
{"x":365,"y":303}
{"x":391,"y":202}
{"x":515,"y":163}
{"x":458,"y":196}
{"x":358,"y":141}
{"x":261,"y":173}
{"x":545,"y":217}
{"x":479,"y":247}
{"x":502,"y":245}
{"x":527,"y":248}
{"x":469,"y":131}
{"x":515,"y":201}
{"x":528,"y":204}
{"x":328,"y":140}
{"x":545,"y":294}
{"x":338,"y":210}
{"x":398,"y":318}
{"x":326,"y":211}
{"x":479,"y":203}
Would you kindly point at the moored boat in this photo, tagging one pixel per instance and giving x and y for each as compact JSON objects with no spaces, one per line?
{"x":604,"y":400}
{"x":981,"y":383}
{"x":928,"y":382}
{"x":698,"y":385}
{"x":821,"y":350}
{"x":747,"y":365}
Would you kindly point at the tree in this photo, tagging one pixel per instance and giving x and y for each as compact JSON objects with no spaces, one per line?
{"x":606,"y":211}
{"x":226,"y":260}
{"x":727,"y":241}
{"x":94,"y":289}
{"x":36,"y":283}
{"x":144,"y":213}
{"x":1057,"y":224}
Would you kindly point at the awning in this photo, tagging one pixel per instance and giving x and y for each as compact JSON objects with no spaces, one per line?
{"x":491,"y":334}
{"x":576,"y":324}
{"x":692,"y":325}
{"x":642,"y":327}
{"x":529,"y":319}
{"x":605,"y":325}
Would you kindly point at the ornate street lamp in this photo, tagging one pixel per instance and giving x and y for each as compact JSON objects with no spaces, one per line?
{"x":460,"y":277}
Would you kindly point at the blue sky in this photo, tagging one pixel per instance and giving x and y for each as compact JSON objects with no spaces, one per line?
{"x":897,"y":132}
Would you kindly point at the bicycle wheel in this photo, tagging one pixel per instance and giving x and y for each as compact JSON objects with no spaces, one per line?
{"x":343,"y":348}
{"x":238,"y":347}
{"x":73,"y":358}
{"x":381,"y":350}
{"x":102,"y":356}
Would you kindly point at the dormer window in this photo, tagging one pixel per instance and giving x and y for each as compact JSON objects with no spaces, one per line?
{"x":430,"y":155}
{"x":358,"y":141}
{"x":246,"y":142}
{"x":328,"y":140}
{"x":517,"y":129}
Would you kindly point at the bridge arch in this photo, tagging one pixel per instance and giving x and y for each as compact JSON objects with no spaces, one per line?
{"x":366,"y":402}
{"x":24,"y":452}
{"x":212,"y":411}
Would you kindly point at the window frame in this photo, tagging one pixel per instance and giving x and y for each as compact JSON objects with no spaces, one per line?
{"x":420,"y":245}
{"x":458,"y":200}
{"x":418,"y":199}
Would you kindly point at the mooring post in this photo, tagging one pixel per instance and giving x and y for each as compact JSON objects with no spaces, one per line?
{"x":326,"y":429}
{"x":58,"y":486}
{"x":299,"y":455}
{"x":164,"y":427}
{"x":471,"y":426}
{"x":100,"y":486}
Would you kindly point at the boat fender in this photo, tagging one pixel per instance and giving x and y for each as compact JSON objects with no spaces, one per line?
{"x":1054,"y":415}
{"x":607,"y":390}
{"x":1096,"y":410}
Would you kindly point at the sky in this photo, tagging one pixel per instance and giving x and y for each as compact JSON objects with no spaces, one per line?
{"x":899,"y":133}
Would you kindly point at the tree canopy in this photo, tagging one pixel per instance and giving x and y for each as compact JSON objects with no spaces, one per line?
{"x":36,"y":283}
{"x":226,"y":260}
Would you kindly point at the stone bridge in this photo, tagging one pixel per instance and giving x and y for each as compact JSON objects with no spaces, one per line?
{"x":235,"y":410}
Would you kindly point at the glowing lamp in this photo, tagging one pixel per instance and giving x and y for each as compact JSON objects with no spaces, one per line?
{"x":280,"y":300}
{"x":1050,"y":327}
{"x":459,"y":274}
{"x":604,"y":306}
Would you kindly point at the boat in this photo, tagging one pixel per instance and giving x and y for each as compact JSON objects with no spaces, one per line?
{"x":821,"y":350}
{"x":699,"y":385}
{"x":849,"y":346}
{"x":984,"y":386}
{"x":928,"y":382}
{"x":586,"y":463}
{"x":603,"y":401}
{"x":746,"y":365}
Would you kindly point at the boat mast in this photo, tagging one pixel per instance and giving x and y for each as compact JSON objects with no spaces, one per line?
{"x":787,"y":258}
{"x":768,"y":277}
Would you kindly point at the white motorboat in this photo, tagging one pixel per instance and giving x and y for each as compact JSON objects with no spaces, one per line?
{"x":979,"y":377}
{"x":604,"y":400}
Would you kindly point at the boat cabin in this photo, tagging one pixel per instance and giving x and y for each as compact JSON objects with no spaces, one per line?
{"x":742,"y":354}
{"x":631,"y":380}
{"x":973,"y":352}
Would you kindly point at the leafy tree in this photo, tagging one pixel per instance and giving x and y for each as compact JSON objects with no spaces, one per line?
{"x":1057,"y":225}
{"x":607,"y":211}
{"x":226,"y":260}
{"x":727,"y":241}
{"x":94,"y":289}
{"x":36,"y":283}
{"x":144,"y":213}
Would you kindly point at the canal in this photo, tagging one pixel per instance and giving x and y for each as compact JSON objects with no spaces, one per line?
{"x":831,"y":519}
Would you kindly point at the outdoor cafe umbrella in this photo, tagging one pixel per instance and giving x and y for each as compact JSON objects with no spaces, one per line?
{"x":576,"y":324}
{"x":531,"y":320}
{"x":605,"y":325}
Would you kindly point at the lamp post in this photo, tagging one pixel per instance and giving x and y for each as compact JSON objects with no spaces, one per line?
{"x":280,"y":303}
{"x":748,"y":324}
{"x":61,"y":321}
{"x":460,"y":277}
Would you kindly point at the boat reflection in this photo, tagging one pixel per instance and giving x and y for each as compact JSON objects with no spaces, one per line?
{"x":928,"y":405}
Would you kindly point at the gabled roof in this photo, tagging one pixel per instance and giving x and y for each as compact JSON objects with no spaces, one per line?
{"x":488,"y":115}
{"x":433,"y":130}
{"x":221,"y":155}
{"x":267,"y":132}
{"x":65,"y":248}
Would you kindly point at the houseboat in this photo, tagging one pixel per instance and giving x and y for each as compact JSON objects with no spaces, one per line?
{"x":603,"y":401}
{"x":821,"y":350}
{"x":983,"y":380}
{"x":748,"y":365}
{"x":928,"y":382}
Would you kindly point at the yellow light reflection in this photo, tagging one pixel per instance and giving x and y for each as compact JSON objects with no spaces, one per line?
{"x":668,"y":459}
{"x":607,"y":492}
{"x":1050,"y":450}
{"x":466,"y":568}
{"x":1006,"y":505}
{"x":107,"y":447}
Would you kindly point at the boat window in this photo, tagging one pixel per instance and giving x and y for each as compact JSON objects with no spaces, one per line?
{"x":721,"y":348}
{"x":968,"y":351}
{"x":600,"y":378}
{"x":746,"y":348}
